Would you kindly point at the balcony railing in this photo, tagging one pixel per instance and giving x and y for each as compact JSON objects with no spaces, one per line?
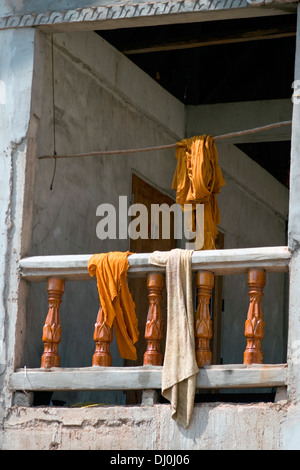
{"x":56,"y":270}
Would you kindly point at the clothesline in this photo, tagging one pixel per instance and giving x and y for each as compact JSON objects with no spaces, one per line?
{"x":169,"y":146}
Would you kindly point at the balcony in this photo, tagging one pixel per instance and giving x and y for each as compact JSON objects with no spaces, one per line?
{"x":250,"y":374}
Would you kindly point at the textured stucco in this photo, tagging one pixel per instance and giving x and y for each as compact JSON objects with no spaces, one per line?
{"x":213,"y":427}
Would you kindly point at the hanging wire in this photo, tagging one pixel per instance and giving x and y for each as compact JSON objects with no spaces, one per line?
{"x":170,"y":146}
{"x":54,"y":171}
{"x":137,"y":150}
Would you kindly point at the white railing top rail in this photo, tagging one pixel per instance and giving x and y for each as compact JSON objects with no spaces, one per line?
{"x":221,"y":262}
{"x":146,"y":377}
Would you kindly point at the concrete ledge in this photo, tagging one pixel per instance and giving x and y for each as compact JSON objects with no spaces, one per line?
{"x":145,"y":377}
{"x":214,"y":426}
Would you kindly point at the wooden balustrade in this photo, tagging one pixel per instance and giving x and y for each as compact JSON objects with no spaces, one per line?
{"x":52,"y":328}
{"x":103,"y":336}
{"x":154,"y":324}
{"x":254,"y":325}
{"x":255,"y":262}
{"x":203,"y":325}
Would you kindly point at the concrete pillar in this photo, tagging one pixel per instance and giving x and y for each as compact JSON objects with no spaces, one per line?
{"x":290,"y":428}
{"x":294,"y":237}
{"x":19,"y":116}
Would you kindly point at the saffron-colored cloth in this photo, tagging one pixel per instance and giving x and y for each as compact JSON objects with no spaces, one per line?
{"x":180,"y":367}
{"x":115,"y":298}
{"x":198,"y":179}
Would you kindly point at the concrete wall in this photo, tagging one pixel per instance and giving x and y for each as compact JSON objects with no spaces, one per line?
{"x":254,"y":212}
{"x":102,"y":101}
{"x":213,"y":427}
{"x":253,"y":208}
{"x":19,"y":111}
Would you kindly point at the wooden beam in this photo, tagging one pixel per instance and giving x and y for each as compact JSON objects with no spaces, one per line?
{"x":206,"y":33}
{"x":145,"y":378}
{"x":204,"y":40}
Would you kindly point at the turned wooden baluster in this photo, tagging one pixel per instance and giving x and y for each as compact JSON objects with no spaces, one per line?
{"x":52,"y":328}
{"x":103,"y":336}
{"x":154,"y":324}
{"x":203,"y":324}
{"x":254,"y":325}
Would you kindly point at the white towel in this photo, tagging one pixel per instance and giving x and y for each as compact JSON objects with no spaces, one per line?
{"x":180,"y":366}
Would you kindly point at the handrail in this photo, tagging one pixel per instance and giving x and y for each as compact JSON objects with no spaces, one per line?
{"x":146,"y":377}
{"x":220,"y":262}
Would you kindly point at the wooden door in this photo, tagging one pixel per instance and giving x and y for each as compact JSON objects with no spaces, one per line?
{"x":144,"y":193}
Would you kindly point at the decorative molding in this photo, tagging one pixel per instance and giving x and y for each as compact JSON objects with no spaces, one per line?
{"x":127,"y":10}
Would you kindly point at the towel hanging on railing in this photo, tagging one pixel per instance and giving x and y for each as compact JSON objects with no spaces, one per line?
{"x":115,"y":298}
{"x":180,"y":367}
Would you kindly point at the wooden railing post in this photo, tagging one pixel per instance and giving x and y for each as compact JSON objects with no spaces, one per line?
{"x":203,"y":324}
{"x":154,"y":324}
{"x":103,"y":336}
{"x":52,"y":328}
{"x":254,"y":325}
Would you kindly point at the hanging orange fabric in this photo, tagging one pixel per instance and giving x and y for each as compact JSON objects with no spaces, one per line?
{"x":115,"y":299}
{"x":198,"y":179}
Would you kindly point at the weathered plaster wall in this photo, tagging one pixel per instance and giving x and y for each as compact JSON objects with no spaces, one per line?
{"x":19,"y":114}
{"x":294,"y":244}
{"x":213,"y":427}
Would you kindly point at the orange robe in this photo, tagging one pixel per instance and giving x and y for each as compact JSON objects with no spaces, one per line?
{"x":198,"y":179}
{"x":115,"y":299}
